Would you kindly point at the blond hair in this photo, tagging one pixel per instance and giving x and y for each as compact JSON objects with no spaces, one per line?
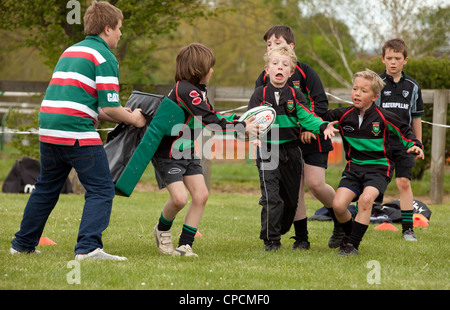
{"x":194,"y":62}
{"x":282,"y":49}
{"x":99,"y":15}
{"x":377,"y":83}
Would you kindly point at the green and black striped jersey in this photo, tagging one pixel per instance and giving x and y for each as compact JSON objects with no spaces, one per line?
{"x":292,"y":113}
{"x":366,"y":141}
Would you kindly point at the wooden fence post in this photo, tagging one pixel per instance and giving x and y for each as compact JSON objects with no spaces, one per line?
{"x":438,"y":145}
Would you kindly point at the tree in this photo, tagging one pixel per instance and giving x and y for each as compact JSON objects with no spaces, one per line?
{"x":371,"y":23}
{"x":49,"y":30}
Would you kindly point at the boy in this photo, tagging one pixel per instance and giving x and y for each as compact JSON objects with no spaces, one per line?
{"x":365,"y":130}
{"x":176,"y":165}
{"x":314,"y":147}
{"x":83,"y":89}
{"x":280,"y":184}
{"x":402,"y":96}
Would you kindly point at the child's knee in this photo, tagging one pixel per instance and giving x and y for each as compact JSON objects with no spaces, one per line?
{"x":365,"y":203}
{"x":403,"y":184}
{"x":201,"y":197}
{"x":339,"y":207}
{"x":180,"y":200}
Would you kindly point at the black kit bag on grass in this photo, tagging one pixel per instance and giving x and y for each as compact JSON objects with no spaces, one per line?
{"x":393,"y":212}
{"x":23,"y":176}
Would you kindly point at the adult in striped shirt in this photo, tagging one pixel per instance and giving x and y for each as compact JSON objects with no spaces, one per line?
{"x":83,"y":90}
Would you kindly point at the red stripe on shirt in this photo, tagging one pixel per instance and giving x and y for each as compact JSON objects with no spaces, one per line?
{"x":74,"y":82}
{"x":66,"y":111}
{"x":69,"y":141}
{"x":108,"y":86}
{"x":85,"y":55}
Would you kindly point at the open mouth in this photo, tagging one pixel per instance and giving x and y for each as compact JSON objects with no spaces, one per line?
{"x":279,"y":75}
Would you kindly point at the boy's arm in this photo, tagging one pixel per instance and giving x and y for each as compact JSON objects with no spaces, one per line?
{"x":306,"y":118}
{"x":401,"y":129}
{"x":121,"y":115}
{"x":417,"y":127}
{"x":192,"y":101}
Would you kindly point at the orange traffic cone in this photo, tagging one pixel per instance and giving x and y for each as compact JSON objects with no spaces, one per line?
{"x":46,"y":241}
{"x":386,"y":226}
{"x":419,"y":220}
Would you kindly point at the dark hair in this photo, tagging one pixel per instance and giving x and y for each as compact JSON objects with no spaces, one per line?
{"x":99,"y":15}
{"x":194,"y":62}
{"x":397,"y":45}
{"x":283,"y":31}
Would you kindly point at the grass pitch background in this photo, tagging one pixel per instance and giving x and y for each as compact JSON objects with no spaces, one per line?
{"x":231,"y":255}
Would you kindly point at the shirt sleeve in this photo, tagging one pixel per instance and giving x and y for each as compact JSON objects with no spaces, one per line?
{"x":107,"y":84}
{"x":199,"y":108}
{"x":305,"y":117}
{"x":417,"y":109}
{"x":402,"y":130}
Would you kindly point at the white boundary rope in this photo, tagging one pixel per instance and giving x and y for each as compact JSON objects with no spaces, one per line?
{"x":17,"y":132}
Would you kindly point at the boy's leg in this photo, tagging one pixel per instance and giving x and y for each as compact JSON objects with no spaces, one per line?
{"x":403,"y":172}
{"x":300,"y":221}
{"x":362,"y":220}
{"x":53,"y":174}
{"x":406,"y":207}
{"x":93,"y":172}
{"x":177,"y":201}
{"x":344,"y":196}
{"x":199,"y":194}
{"x":315,"y":179}
{"x":272,"y":206}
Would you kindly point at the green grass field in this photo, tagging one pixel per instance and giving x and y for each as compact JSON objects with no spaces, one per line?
{"x":231,"y":256}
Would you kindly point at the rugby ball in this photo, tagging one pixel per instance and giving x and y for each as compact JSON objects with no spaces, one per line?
{"x":265,"y":117}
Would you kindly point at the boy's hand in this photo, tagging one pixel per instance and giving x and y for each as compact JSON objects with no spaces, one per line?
{"x":307,"y":136}
{"x":139,"y":119}
{"x":252,"y":130}
{"x":417,"y":150}
{"x":330,"y":130}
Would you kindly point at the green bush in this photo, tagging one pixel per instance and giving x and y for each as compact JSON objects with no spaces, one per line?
{"x":25,"y":144}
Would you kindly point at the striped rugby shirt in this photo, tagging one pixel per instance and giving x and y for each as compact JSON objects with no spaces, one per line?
{"x":199,"y":113}
{"x":85,"y":79}
{"x":292,"y":113}
{"x":306,"y":79}
{"x":366,"y":141}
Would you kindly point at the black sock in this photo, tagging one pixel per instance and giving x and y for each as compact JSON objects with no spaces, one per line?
{"x":347,"y":226}
{"x":163,"y":224}
{"x":301,"y":230}
{"x":358,"y":231}
{"x":187,"y":235}
{"x":333,"y":216}
{"x":407,"y":220}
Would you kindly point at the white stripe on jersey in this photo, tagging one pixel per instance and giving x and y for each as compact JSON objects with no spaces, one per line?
{"x":70,"y":105}
{"x":69,"y":134}
{"x":76,"y":76}
{"x":88,"y":50}
{"x":107,"y":80}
